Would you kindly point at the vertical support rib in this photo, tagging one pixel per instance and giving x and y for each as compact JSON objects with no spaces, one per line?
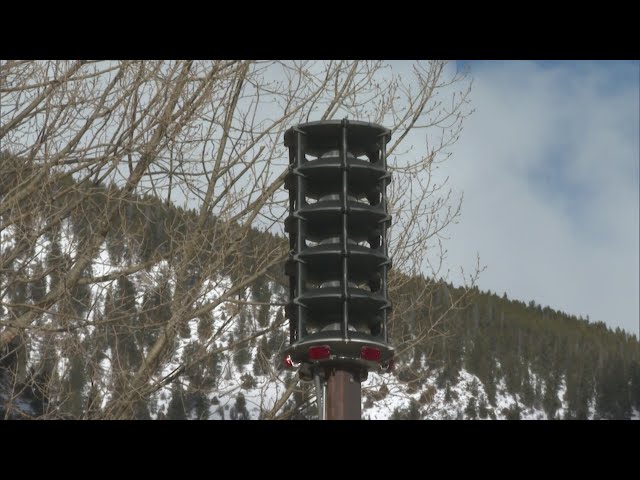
{"x":383,"y":155}
{"x":300,"y":244}
{"x":293,"y":332}
{"x":345,"y":245}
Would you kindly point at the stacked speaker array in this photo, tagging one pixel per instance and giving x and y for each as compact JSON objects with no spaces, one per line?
{"x":337,"y":228}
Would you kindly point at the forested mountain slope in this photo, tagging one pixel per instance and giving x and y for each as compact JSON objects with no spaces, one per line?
{"x":462,"y":353}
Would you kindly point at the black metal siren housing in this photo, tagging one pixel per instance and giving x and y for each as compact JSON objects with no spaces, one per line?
{"x":338,"y":261}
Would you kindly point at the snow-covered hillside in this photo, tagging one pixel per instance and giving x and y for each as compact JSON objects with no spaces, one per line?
{"x":234,"y":380}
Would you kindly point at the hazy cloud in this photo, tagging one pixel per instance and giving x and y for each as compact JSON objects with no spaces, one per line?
{"x":549,"y":167}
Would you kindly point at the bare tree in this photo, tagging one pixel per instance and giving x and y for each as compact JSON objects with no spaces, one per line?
{"x":103,"y":144}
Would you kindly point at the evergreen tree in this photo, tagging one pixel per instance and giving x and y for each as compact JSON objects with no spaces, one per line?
{"x":513,"y":413}
{"x":483,"y":408}
{"x":176,"y":409}
{"x":634,"y":372}
{"x":470,"y":412}
{"x":73,"y":400}
{"x":551,"y":402}
{"x":412,"y":412}
{"x":528,"y":393}
{"x":239,"y":410}
{"x":613,"y":399}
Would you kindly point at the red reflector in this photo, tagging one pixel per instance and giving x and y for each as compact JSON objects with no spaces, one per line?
{"x":319,"y":352}
{"x":371,"y":354}
{"x":288,"y":362}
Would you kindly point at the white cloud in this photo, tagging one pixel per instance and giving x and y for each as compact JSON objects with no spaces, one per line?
{"x":549,"y":169}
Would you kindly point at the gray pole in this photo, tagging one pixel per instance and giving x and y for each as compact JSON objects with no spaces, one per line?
{"x":320,"y":396}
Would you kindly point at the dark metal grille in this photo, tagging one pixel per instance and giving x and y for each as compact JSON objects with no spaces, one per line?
{"x":337,"y":228}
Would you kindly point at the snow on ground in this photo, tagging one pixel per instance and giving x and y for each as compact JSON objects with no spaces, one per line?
{"x":102,"y":265}
{"x":388,"y":394}
{"x":7,"y":239}
{"x":260,"y":395}
{"x":105,"y":368}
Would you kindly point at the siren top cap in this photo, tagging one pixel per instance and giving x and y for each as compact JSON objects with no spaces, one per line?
{"x":324,"y":136}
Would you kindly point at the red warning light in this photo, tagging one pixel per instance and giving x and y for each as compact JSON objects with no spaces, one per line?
{"x":319,"y":352}
{"x":370,"y":354}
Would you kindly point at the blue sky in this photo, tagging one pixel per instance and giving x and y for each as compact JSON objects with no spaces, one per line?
{"x":549,"y":164}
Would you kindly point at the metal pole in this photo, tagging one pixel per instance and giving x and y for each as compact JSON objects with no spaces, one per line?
{"x":343,"y":396}
{"x":324,"y":399}
{"x":320,"y":396}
